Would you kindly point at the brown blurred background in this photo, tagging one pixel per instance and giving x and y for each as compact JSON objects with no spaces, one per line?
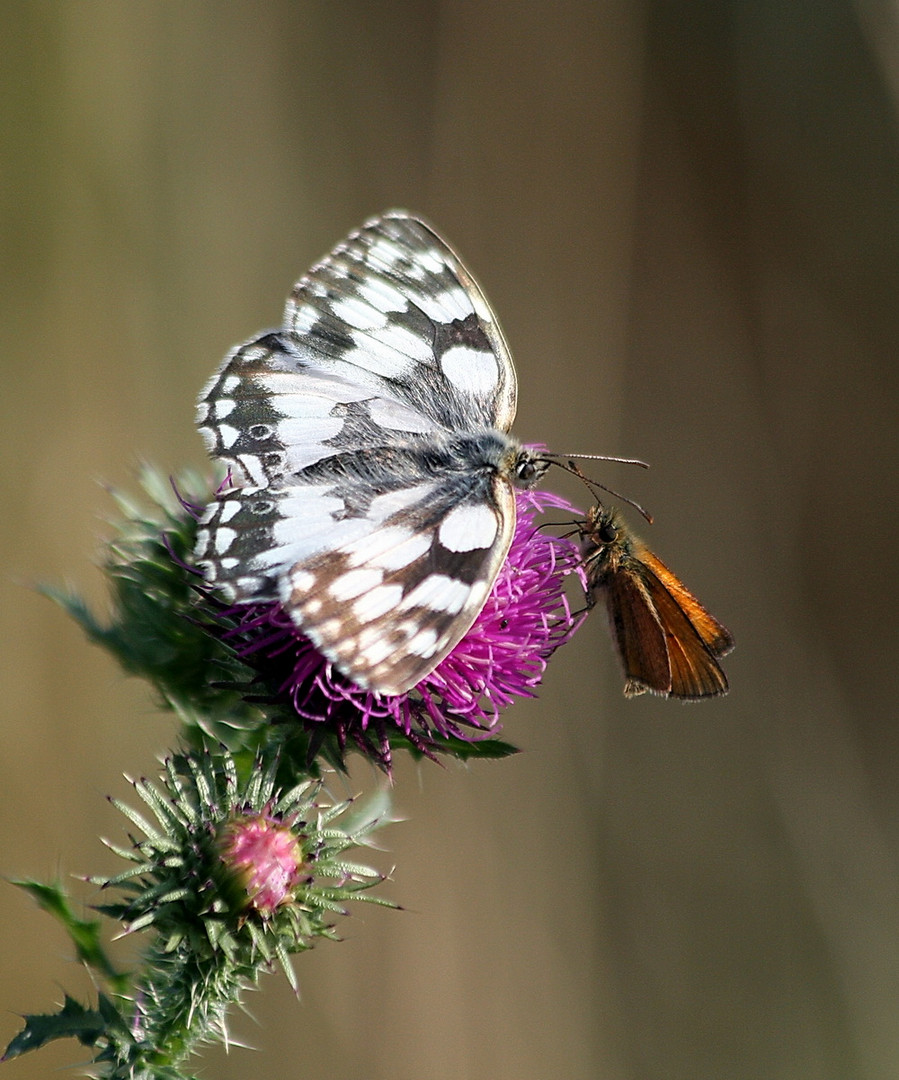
{"x":687,"y":217}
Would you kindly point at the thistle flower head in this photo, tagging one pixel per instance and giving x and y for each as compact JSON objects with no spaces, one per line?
{"x":245,"y":675}
{"x":233,"y":868}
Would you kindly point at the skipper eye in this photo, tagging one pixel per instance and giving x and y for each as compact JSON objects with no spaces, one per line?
{"x":607,"y":533}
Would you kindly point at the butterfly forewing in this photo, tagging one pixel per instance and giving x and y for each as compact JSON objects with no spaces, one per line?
{"x":695,"y":671}
{"x":717,"y":638}
{"x":394,"y":302}
{"x":370,"y":478}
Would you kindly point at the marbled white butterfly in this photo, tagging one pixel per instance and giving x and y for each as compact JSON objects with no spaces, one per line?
{"x":371,"y":477}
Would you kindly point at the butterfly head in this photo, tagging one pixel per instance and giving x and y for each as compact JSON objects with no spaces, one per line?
{"x":607,"y":545}
{"x":527,"y":468}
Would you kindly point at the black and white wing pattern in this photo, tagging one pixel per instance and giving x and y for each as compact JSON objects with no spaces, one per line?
{"x":371,"y":474}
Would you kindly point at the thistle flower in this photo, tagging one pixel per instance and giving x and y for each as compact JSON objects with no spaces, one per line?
{"x":503,"y":656}
{"x":228,"y":858}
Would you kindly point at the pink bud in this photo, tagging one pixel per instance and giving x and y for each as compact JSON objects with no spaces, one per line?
{"x":266,"y":857}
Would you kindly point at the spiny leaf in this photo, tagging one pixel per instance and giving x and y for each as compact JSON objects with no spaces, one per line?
{"x":73,"y":1021}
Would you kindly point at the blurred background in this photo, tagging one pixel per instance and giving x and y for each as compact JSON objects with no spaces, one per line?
{"x":687,"y":217}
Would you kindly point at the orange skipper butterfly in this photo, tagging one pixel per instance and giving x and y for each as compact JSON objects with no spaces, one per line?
{"x":668,"y":643}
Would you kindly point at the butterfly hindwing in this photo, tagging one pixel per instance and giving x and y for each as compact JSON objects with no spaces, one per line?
{"x":404,"y":596}
{"x":638,"y":635}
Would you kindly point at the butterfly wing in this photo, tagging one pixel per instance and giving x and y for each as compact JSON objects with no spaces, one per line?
{"x":695,"y":671}
{"x":393,"y":308}
{"x":638,"y":634}
{"x":717,"y":638}
{"x":370,"y":490}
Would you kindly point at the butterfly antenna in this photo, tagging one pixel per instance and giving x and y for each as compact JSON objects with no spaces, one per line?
{"x":594,"y":485}
{"x":601,"y":457}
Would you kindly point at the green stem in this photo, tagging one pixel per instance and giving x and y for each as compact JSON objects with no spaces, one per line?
{"x":181,"y":1003}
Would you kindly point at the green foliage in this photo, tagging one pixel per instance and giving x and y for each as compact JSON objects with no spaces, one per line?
{"x":91,"y":1027}
{"x":156,"y":628}
{"x":84,"y":933}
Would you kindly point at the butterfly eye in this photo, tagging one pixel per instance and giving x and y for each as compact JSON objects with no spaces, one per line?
{"x":607,"y":533}
{"x":527,"y":470}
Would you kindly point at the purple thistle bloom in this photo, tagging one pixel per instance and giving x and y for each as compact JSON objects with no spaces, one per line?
{"x":503,"y":656}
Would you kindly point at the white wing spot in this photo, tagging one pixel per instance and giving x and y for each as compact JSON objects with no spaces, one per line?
{"x":355,"y":582}
{"x":478,"y":594}
{"x":229,"y":435}
{"x":391,"y":548}
{"x":369,"y":354}
{"x":403,"y":341}
{"x":439,"y":593}
{"x":390,"y":414}
{"x":251,"y":354}
{"x":301,"y":581}
{"x":297,"y":405}
{"x":248,"y":585}
{"x":431,"y":260}
{"x":302,"y":318}
{"x":385,"y":253}
{"x":224,"y":538}
{"x":384,"y":506}
{"x":372,"y":605}
{"x":374,"y":646}
{"x":382,"y":296}
{"x":424,"y":643}
{"x":252,"y":468}
{"x":468,"y":527}
{"x":329,"y":629}
{"x":301,"y":431}
{"x":358,"y":314}
{"x":472,"y":371}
